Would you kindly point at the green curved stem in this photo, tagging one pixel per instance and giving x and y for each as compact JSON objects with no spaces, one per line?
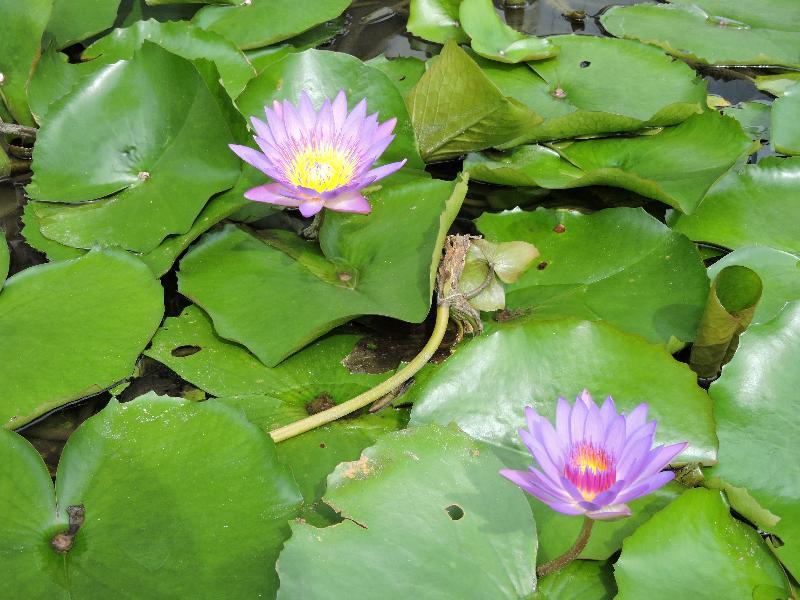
{"x":571,"y":554}
{"x":380,"y":390}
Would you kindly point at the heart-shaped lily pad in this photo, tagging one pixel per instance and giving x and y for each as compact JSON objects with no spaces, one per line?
{"x":21,"y":28}
{"x":757,"y":205}
{"x":492,"y":38}
{"x":695,"y":544}
{"x":619,"y":264}
{"x":756,"y":409}
{"x":456,"y":109}
{"x":72,"y":329}
{"x":676,"y":166}
{"x":75,"y":20}
{"x":436,"y":20}
{"x":722,"y":34}
{"x":779,"y":272}
{"x":418,"y":499}
{"x":181,"y":38}
{"x":263,"y":22}
{"x":134,"y":471}
{"x":147,"y":157}
{"x":276,"y":294}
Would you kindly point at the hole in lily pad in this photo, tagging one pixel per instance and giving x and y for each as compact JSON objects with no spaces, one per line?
{"x":542,"y":265}
{"x":585,"y":63}
{"x":187,"y":350}
{"x":455,"y":512}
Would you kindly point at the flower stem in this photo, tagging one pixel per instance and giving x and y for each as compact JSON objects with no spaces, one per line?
{"x":380,"y":390}
{"x":18,"y":130}
{"x":571,"y":554}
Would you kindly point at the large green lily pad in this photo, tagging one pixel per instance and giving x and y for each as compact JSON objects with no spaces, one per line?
{"x":417,"y":500}
{"x":492,"y":38}
{"x":322,"y":74}
{"x":676,"y":166}
{"x":695,"y":544}
{"x":436,"y":20}
{"x":531,"y":363}
{"x":147,"y":157}
{"x":276,"y":294}
{"x":21,"y":28}
{"x":786,"y":121}
{"x":579,"y":580}
{"x":135,"y":469}
{"x":75,"y":20}
{"x":620,"y":265}
{"x":757,"y":205}
{"x":723,"y":34}
{"x":756,"y":409}
{"x":263,"y":22}
{"x":72,"y":329}
{"x":456,"y":109}
{"x":779,"y":272}
{"x":181,"y":38}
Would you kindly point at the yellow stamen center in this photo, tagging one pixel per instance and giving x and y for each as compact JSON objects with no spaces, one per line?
{"x":321,"y":169}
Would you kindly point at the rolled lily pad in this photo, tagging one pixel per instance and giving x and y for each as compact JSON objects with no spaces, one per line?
{"x":436,"y":20}
{"x":159,"y":181}
{"x":722,"y":34}
{"x":492,"y":38}
{"x":322,"y":74}
{"x":181,"y":38}
{"x":188,"y":345}
{"x":276,"y":294}
{"x":786,"y":121}
{"x":756,"y":409}
{"x":264,"y":22}
{"x":732,"y":300}
{"x":579,"y":580}
{"x":757,"y":205}
{"x":779,"y":272}
{"x":777,"y":84}
{"x":75,"y":20}
{"x":72,"y":329}
{"x":695,"y":544}
{"x":620,"y":265}
{"x":134,"y":470}
{"x":447,"y":513}
{"x":456,"y":109}
{"x":676,"y":166}
{"x":519,"y":363}
{"x":21,"y":28}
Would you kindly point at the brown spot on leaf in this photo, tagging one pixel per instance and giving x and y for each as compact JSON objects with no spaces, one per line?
{"x":319,"y":404}
{"x":542,"y":265}
{"x":560,"y":228}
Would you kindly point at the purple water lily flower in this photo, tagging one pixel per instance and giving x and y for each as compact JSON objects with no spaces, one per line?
{"x":595,"y":460}
{"x":318,"y":158}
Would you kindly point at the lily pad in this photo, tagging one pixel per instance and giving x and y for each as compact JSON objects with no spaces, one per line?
{"x":620,"y":265}
{"x":786,"y":121}
{"x":446,"y":514}
{"x":695,"y":544}
{"x":383,"y":263}
{"x":732,"y":300}
{"x":676,"y":166}
{"x":149,"y":155}
{"x":436,"y":20}
{"x":403,"y":71}
{"x":779,"y":272}
{"x":181,"y":38}
{"x":456,"y":109}
{"x":322,"y":74}
{"x":757,"y":205}
{"x":492,"y":38}
{"x":755,"y":405}
{"x":134,"y":469}
{"x":67,"y":336}
{"x":777,"y":84}
{"x":579,"y":580}
{"x":519,"y":363}
{"x":75,"y":20}
{"x":264,"y":22}
{"x":188,"y":345}
{"x":754,"y":117}
{"x":5,"y":258}
{"x":723,"y":34}
{"x":21,"y":29}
